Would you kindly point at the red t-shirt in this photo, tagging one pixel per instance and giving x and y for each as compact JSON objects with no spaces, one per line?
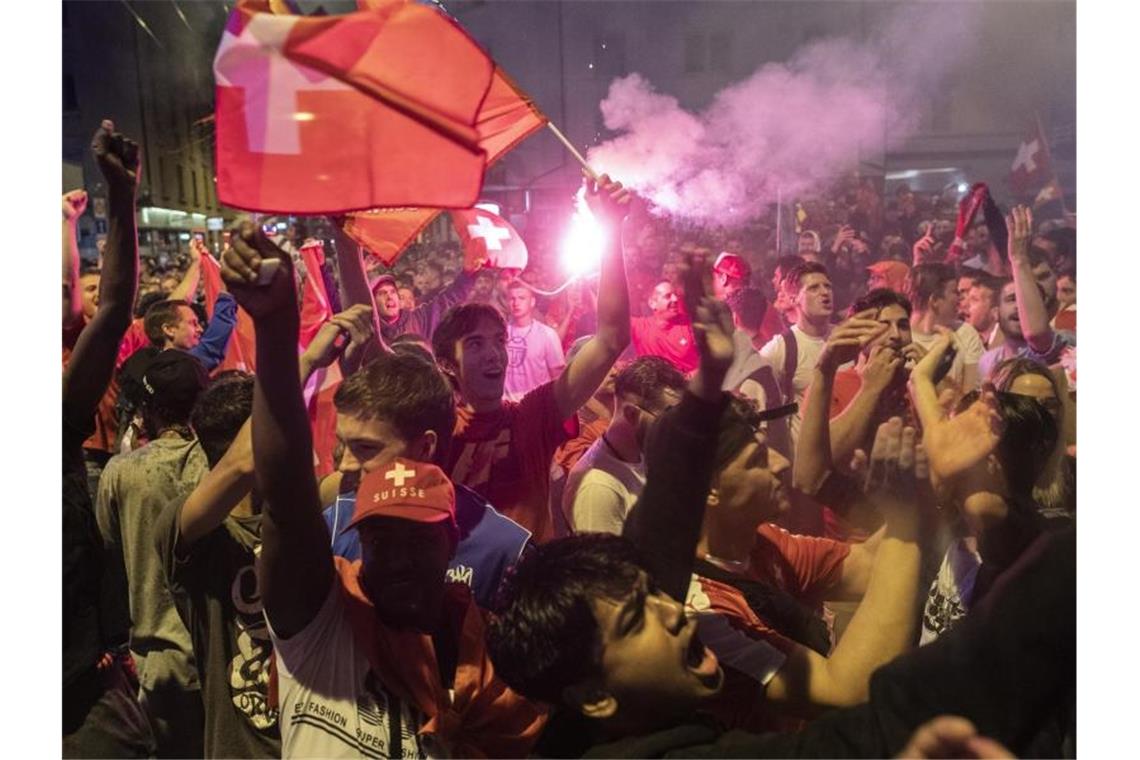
{"x":505,"y":456}
{"x":751,"y":650}
{"x":672,"y":341}
{"x":843,"y":391}
{"x":103,"y":439}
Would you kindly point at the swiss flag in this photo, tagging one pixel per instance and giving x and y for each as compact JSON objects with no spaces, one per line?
{"x":387,"y":231}
{"x":240,"y":351}
{"x":316,"y":308}
{"x":328,"y":114}
{"x":1032,"y":166}
{"x":506,"y":117}
{"x":489,"y":238}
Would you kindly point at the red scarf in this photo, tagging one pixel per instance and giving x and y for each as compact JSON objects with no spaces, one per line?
{"x":486,"y":718}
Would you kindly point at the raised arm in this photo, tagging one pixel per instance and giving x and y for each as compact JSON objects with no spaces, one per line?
{"x":665,"y":524}
{"x":296,"y":566}
{"x":223,"y":487}
{"x":344,"y":337}
{"x":1031,"y":311}
{"x":885,"y":622}
{"x":814,"y":453}
{"x":93,"y":360}
{"x":74,"y":203}
{"x":609,"y":203}
{"x":211,"y":349}
{"x":187,"y":288}
{"x":350,"y":265}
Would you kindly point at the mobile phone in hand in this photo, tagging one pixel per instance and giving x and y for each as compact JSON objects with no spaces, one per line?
{"x":944,"y":364}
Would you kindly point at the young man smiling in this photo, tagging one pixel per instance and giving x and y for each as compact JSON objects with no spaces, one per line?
{"x":502,"y":449}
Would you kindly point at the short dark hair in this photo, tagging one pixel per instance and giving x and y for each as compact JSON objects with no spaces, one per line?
{"x":407,"y":392}
{"x":787,"y":263}
{"x":89,"y":269}
{"x":546,"y":637}
{"x":220,"y":412}
{"x":458,"y":322}
{"x":926,"y":281}
{"x":796,"y":277}
{"x":147,"y":300}
{"x":1039,"y":256}
{"x":878,"y":299}
{"x":158,"y":316}
{"x":738,"y":425}
{"x":1069,"y":272}
{"x":749,"y":305}
{"x":1028,"y":437}
{"x":989,"y":281}
{"x":411,"y":343}
{"x":646,"y":377}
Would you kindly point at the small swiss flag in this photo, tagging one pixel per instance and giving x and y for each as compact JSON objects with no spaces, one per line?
{"x":1031,"y":167}
{"x":490,"y":238}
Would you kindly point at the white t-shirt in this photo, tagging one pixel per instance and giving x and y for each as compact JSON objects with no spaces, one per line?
{"x":808,"y":351}
{"x":534,"y":357}
{"x":330,"y":705}
{"x":970,"y":350}
{"x":601,"y":490}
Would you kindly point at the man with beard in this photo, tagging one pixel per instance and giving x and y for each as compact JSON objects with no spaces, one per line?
{"x":981,"y":310}
{"x":1022,"y":312}
{"x":933,"y":292}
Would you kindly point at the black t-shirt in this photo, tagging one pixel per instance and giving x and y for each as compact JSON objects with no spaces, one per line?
{"x":214,"y":586}
{"x":83,"y":634}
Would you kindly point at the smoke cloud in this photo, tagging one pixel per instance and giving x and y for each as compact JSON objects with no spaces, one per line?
{"x":789,"y":127}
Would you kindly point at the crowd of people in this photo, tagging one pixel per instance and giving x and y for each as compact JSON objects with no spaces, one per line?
{"x":716,"y":499}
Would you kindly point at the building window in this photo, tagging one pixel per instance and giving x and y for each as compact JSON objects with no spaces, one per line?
{"x":694,"y":53}
{"x":70,"y":100}
{"x":720,"y":52}
{"x":609,"y":55}
{"x":194,"y":184}
{"x":181,"y":183}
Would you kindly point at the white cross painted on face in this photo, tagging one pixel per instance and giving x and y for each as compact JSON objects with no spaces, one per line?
{"x":1025,"y":154}
{"x":399,"y":474}
{"x":491,"y":234}
{"x":255,"y":61}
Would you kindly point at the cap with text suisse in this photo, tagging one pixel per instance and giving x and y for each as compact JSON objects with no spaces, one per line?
{"x":732,"y":265}
{"x":414,"y":491}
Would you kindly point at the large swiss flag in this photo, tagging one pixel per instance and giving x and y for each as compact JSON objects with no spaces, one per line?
{"x":506,"y":117}
{"x":329,"y":114}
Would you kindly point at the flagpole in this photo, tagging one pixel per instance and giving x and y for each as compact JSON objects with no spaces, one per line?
{"x":573,"y":151}
{"x":779,"y":221}
{"x":1049,"y":156}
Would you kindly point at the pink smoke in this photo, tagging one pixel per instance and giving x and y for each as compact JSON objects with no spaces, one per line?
{"x":789,"y":127}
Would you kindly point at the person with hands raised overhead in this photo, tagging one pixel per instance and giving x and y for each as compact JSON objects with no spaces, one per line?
{"x":100,"y":714}
{"x":384,"y":292}
{"x":595,"y":624}
{"x":502,"y":450}
{"x":376,"y":656}
{"x":1022,"y":314}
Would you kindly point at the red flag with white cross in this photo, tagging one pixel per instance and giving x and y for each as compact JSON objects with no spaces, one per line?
{"x":489,"y":238}
{"x":330,"y":114}
{"x":1032,"y":167}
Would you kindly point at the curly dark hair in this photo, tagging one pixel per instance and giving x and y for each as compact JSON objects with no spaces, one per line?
{"x":545,"y":637}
